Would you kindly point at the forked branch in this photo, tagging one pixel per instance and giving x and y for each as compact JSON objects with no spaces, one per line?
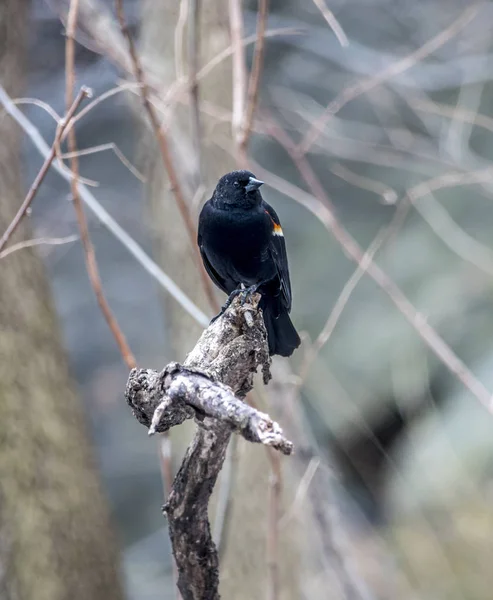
{"x":209,"y":387}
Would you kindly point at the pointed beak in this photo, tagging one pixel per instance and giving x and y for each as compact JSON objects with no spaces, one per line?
{"x":253,"y":184}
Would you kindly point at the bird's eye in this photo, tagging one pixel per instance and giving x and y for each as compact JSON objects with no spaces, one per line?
{"x":236,"y":184}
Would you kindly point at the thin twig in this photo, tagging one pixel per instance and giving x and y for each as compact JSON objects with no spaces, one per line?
{"x":33,"y":190}
{"x":257,"y":397}
{"x":335,"y":314}
{"x":255,"y":75}
{"x":193,"y":65}
{"x":38,"y":242}
{"x":105,"y":218}
{"x":445,"y":110}
{"x":40,"y":104}
{"x":116,"y":150}
{"x":178,"y":38}
{"x":397,"y":68}
{"x":89,"y":254}
{"x":275,"y":492}
{"x":166,"y":155}
{"x":441,"y":222}
{"x":389,"y":196}
{"x":320,"y":205}
{"x":333,"y":23}
{"x":239,"y":68}
{"x":178,"y":88}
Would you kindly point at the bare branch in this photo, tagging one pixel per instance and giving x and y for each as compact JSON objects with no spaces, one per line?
{"x":166,"y":155}
{"x":239,"y":67}
{"x":392,"y":70}
{"x":320,"y":205}
{"x":89,"y":253}
{"x":38,"y":242}
{"x":104,"y":217}
{"x":388,"y":195}
{"x":193,"y":82}
{"x":116,"y":150}
{"x":255,"y":75}
{"x":333,"y":23}
{"x":217,"y":373}
{"x":33,"y":190}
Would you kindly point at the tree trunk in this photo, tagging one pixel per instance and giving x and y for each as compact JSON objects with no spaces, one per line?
{"x":55,"y":538}
{"x":244,"y":566}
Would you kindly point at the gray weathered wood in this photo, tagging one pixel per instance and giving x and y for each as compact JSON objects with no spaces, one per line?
{"x":209,"y":387}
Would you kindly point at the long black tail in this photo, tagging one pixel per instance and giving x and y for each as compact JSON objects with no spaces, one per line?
{"x":282,"y":336}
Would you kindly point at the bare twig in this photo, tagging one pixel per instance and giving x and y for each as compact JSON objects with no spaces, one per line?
{"x":388,"y":195}
{"x":89,"y":254}
{"x":38,"y":242}
{"x":108,"y":146}
{"x":335,"y":314}
{"x":178,"y":88}
{"x":40,"y":104}
{"x":166,"y":155}
{"x":320,"y":205}
{"x":333,"y":23}
{"x":239,"y":68}
{"x":33,"y":190}
{"x":361,"y":87}
{"x":178,"y":38}
{"x":440,"y":221}
{"x":275,"y":492}
{"x":193,"y":65}
{"x":255,"y":75}
{"x":105,"y":218}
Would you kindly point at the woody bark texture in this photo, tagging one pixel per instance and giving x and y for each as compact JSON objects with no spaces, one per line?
{"x":217,"y":373}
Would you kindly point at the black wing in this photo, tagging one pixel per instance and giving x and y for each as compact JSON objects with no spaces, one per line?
{"x":277,"y":249}
{"x":213,"y":274}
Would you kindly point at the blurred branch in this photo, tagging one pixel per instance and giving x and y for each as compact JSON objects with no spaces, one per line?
{"x":95,"y":29}
{"x":331,"y":535}
{"x":89,"y":253}
{"x":178,"y":38}
{"x":255,"y":76}
{"x":361,"y":87}
{"x":116,"y":150}
{"x":333,"y":23}
{"x":388,"y":195}
{"x":320,"y":205}
{"x":49,"y":158}
{"x":166,"y":155}
{"x":193,"y":65}
{"x":444,"y":226}
{"x":38,"y":242}
{"x":456,"y":112}
{"x":239,"y":68}
{"x":323,"y":337}
{"x":104,"y":217}
{"x":217,"y":373}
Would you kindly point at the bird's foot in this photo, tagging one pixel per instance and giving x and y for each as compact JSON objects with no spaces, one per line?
{"x":247,"y":293}
{"x":227,"y":304}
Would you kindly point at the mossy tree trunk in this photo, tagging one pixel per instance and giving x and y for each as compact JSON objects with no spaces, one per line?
{"x":55,"y":537}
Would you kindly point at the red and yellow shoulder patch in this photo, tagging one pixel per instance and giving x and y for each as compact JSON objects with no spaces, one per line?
{"x":277,"y":229}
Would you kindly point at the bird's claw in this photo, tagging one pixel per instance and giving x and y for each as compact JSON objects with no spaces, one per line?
{"x":247,"y":294}
{"x":227,"y":304}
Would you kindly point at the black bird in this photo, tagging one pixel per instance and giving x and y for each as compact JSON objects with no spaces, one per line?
{"x":242,"y":246}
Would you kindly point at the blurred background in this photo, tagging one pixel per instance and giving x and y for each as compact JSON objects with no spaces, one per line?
{"x":391,"y":105}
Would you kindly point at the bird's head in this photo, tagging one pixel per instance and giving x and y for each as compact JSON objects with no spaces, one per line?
{"x":237,"y":189}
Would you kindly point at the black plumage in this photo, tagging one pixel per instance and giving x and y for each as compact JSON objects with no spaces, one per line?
{"x":242,"y":243}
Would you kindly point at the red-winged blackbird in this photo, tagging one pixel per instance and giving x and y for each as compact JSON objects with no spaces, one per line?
{"x":242,"y":244}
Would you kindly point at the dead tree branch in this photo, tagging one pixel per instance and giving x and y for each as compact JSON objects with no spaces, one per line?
{"x":209,"y":387}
